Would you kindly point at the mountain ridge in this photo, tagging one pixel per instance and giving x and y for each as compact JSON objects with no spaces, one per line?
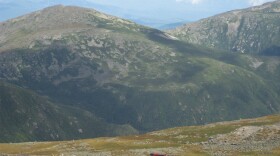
{"x":128,"y":74}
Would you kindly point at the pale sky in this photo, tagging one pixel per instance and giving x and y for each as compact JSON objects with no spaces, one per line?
{"x":165,"y":11}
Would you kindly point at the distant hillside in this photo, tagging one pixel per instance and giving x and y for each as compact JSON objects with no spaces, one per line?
{"x":253,"y":30}
{"x":171,"y":25}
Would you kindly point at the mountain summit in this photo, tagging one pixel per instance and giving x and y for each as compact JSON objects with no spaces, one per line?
{"x":55,"y":22}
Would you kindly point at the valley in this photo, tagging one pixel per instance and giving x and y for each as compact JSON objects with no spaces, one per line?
{"x":69,"y":73}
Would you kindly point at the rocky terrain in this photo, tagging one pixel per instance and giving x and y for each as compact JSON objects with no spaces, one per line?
{"x":254,"y":30}
{"x":258,"y":136}
{"x":128,"y":76}
{"x":246,"y":139}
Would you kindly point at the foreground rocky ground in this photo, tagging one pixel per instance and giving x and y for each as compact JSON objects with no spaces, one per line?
{"x":259,"y":136}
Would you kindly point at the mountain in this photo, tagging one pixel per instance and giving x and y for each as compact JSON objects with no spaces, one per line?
{"x":249,"y":137}
{"x":26,"y":116}
{"x":132,"y":75}
{"x":254,"y":30}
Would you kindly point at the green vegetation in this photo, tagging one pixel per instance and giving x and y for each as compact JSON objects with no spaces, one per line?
{"x":128,"y":77}
{"x":26,"y":116}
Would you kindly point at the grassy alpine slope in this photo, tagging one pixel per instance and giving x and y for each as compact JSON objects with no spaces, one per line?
{"x":258,"y":136}
{"x":127,"y":74}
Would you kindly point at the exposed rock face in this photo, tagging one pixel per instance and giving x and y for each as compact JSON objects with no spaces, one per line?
{"x":253,"y":30}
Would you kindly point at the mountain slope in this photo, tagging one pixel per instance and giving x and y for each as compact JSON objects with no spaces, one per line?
{"x":25,"y":116}
{"x":258,"y":136}
{"x":127,"y":74}
{"x":253,"y":30}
